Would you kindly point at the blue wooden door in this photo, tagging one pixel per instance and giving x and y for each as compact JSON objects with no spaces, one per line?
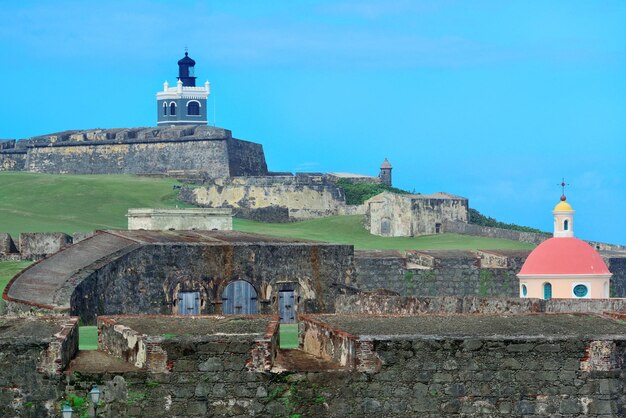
{"x":287,"y":306}
{"x":239,"y":298}
{"x":547,"y":291}
{"x":189,"y":303}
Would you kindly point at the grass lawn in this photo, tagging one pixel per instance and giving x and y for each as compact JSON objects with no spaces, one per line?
{"x":8,"y":269}
{"x":31,"y":202}
{"x":88,"y":336}
{"x":349,"y":230}
{"x":289,"y":336}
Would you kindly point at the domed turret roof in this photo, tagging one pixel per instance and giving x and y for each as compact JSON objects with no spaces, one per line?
{"x":385,"y":164}
{"x":186,"y":61}
{"x":564,"y":256}
{"x":563,"y":206}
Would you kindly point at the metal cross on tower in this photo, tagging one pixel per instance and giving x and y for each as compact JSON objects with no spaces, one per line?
{"x":563,"y":184}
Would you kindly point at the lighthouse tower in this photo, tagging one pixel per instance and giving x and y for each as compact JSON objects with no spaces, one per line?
{"x":184,"y":104}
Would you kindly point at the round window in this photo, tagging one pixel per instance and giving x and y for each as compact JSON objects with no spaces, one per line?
{"x":580,"y":290}
{"x":524,"y":290}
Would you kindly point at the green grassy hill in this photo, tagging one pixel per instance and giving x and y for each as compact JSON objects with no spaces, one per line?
{"x":32,"y":202}
{"x":349,"y":230}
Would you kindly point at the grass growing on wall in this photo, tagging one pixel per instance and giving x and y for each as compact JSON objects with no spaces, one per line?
{"x":349,"y":230}
{"x":31,"y":202}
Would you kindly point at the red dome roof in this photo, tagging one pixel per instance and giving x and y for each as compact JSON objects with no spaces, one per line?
{"x":564,"y":256}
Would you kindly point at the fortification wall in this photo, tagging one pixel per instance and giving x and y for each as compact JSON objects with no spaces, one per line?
{"x":136,"y":151}
{"x":12,"y":160}
{"x":304,"y":197}
{"x":131,"y":158}
{"x":246,"y":158}
{"x":377,"y":303}
{"x":455,"y":274}
{"x":390,"y":375}
{"x":529,"y":237}
{"x":317,"y":274}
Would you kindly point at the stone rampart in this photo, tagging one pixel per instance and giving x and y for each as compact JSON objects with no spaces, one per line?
{"x":374,"y":303}
{"x":12,"y":160}
{"x":566,"y":366}
{"x":457,"y":273}
{"x":137,"y":151}
{"x":303,"y":196}
{"x":521,"y":236}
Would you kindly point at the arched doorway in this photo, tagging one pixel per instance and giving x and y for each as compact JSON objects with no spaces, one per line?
{"x":239,"y":298}
{"x":547,"y":291}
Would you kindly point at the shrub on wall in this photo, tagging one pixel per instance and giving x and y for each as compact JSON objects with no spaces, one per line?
{"x":477,"y":218}
{"x":357,"y":193}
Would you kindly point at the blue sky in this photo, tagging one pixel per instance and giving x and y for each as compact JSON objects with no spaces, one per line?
{"x":492,"y":100}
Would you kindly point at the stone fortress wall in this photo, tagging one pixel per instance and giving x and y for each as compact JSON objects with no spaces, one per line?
{"x":277,"y":198}
{"x":136,"y":151}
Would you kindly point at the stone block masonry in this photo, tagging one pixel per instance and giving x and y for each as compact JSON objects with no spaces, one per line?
{"x":33,"y":354}
{"x":137,"y":151}
{"x":427,"y":366}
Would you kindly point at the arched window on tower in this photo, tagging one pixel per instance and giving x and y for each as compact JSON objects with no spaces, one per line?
{"x":173,"y":109}
{"x":566,"y":225}
{"x":193,"y":108}
{"x":164,"y":109}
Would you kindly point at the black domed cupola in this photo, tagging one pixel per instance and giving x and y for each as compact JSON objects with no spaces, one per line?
{"x":185,"y":71}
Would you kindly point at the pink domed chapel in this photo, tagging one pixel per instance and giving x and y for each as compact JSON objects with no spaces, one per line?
{"x":564,"y":266}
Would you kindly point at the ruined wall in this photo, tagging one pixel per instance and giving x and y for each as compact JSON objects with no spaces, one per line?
{"x":147,"y":280}
{"x":303,"y":196}
{"x":7,"y":246}
{"x":414,"y":376}
{"x":37,"y":245}
{"x":33,"y":353}
{"x":396,"y":215}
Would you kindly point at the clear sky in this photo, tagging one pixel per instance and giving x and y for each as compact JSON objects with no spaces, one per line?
{"x":492,"y":100}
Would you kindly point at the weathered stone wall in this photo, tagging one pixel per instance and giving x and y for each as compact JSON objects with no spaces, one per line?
{"x":246,"y":158}
{"x":452,"y":275}
{"x":37,"y":245}
{"x":33,"y":352}
{"x":395,"y":215}
{"x":409,"y":375}
{"x":180,"y":219}
{"x":529,"y":237}
{"x":373,"y":303}
{"x":12,"y":160}
{"x":205,"y":149}
{"x":133,"y":158}
{"x":7,"y":246}
{"x":147,"y":280}
{"x":321,"y":340}
{"x":303,"y":196}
